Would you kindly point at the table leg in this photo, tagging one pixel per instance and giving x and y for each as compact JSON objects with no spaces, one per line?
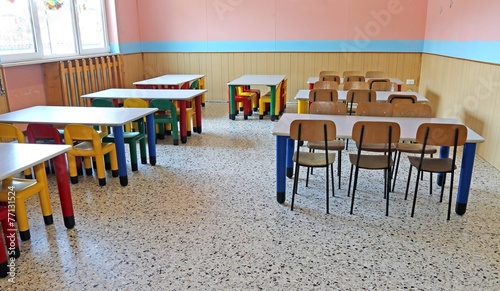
{"x":302,"y":106}
{"x":444,"y":153}
{"x":311,"y":86}
{"x":64,"y":190}
{"x":465,"y":178}
{"x":151,"y":130}
{"x":120,"y":154}
{"x":280,"y":168}
{"x":182,"y":121}
{"x":198,"y":103}
{"x":290,"y":143}
{"x":232,"y":105}
{"x":272,"y":106}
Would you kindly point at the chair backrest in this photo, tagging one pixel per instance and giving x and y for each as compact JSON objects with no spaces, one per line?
{"x":375,"y":132}
{"x":441,"y":134}
{"x":37,"y":131}
{"x":360,"y":95}
{"x":99,"y":102}
{"x":400,"y":98}
{"x":165,"y":106}
{"x":351,"y":73}
{"x":360,"y":78}
{"x":375,"y":74}
{"x":322,"y":73}
{"x":77,"y":132}
{"x":327,"y":107}
{"x":194,"y":84}
{"x":135,"y":103}
{"x":334,"y":78}
{"x":9,"y":132}
{"x":412,"y":110}
{"x":326,"y":85}
{"x":374,"y":109}
{"x":355,"y":85}
{"x":377,"y":80}
{"x":323,"y":95}
{"x":384,"y":86}
{"x":313,"y":130}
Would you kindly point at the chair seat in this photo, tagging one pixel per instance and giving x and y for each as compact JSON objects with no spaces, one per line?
{"x":314,"y":159}
{"x":87,"y":146}
{"x":433,"y":165}
{"x":126,"y":135}
{"x":333,"y":145}
{"x":415,"y":148}
{"x":371,"y":162}
{"x":377,"y":147}
{"x":20,"y":185}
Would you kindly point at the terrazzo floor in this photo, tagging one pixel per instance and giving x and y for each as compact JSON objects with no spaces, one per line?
{"x":206,"y":218}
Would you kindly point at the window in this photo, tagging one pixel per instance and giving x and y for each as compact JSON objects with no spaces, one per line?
{"x":42,"y":29}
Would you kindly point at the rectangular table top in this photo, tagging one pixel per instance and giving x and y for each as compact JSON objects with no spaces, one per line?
{"x":303,"y":94}
{"x":171,"y":94}
{"x":312,"y":80}
{"x":16,"y":157}
{"x":169,"y":79}
{"x":109,"y":116}
{"x":344,"y":124}
{"x":268,"y":80}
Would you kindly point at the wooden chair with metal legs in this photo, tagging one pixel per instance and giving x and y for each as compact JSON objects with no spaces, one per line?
{"x":326,"y":85}
{"x":313,"y":131}
{"x":358,"y":78}
{"x":330,"y":95}
{"x":351,"y":73}
{"x":355,"y":85}
{"x":434,"y":134}
{"x":357,"y":96}
{"x":375,"y":74}
{"x":384,"y":86}
{"x":374,"y":81}
{"x":402,"y":98}
{"x":373,"y":132}
{"x":331,"y":78}
{"x":329,"y":108}
{"x":411,"y":110}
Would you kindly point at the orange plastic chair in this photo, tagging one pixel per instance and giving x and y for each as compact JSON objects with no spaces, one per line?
{"x":8,"y":133}
{"x":89,"y":145}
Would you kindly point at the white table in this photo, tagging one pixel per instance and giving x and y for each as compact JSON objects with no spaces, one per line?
{"x":17,"y":157}
{"x":271,"y":81}
{"x":344,"y":124}
{"x":302,"y":98}
{"x":173,"y":81}
{"x":115,"y":117}
{"x":312,"y":80}
{"x":172,"y":94}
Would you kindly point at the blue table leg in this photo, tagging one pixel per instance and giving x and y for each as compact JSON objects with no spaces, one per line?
{"x":289,"y":157}
{"x":280,"y":168}
{"x":120,"y":154}
{"x":150,"y":125}
{"x":444,"y":152}
{"x":465,"y":178}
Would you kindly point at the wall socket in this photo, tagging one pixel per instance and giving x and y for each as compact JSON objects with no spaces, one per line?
{"x":410,"y":82}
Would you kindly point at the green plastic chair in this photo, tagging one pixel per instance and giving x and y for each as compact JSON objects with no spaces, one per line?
{"x":130,"y":138}
{"x":166,"y":114}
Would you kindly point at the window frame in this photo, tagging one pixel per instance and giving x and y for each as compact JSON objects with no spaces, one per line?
{"x":38,"y":55}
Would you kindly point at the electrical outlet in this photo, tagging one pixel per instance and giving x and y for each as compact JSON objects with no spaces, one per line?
{"x":410,"y":82}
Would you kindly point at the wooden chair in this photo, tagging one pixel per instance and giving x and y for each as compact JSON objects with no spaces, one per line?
{"x":329,"y":108}
{"x":352,"y":73}
{"x":375,"y":74}
{"x":411,"y":110}
{"x":374,"y":109}
{"x":86,"y":142}
{"x":350,"y":78}
{"x":323,"y":95}
{"x":356,"y":96}
{"x":400,"y":98}
{"x":313,"y":131}
{"x":324,"y":73}
{"x":326,"y":85}
{"x":433,"y":134}
{"x":332,"y":78}
{"x":384,"y":86}
{"x":373,"y":132}
{"x":373,"y":81}
{"x":356,"y":85}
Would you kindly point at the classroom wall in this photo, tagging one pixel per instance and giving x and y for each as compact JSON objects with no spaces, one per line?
{"x":460,"y":67}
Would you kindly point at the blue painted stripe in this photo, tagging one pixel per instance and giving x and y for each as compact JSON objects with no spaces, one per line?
{"x":483,"y":51}
{"x":126,"y":48}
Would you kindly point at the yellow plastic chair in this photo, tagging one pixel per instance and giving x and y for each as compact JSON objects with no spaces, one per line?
{"x":25,"y":188}
{"x":241,"y":92}
{"x":89,"y":145}
{"x":134,"y":103}
{"x":266,"y":99}
{"x":8,"y":133}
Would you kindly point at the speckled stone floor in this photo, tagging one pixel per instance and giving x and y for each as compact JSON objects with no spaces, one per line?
{"x":206,"y":218}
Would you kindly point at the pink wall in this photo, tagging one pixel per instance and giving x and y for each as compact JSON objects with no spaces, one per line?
{"x":127,"y":18}
{"x":463,"y":21}
{"x":196,"y":20}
